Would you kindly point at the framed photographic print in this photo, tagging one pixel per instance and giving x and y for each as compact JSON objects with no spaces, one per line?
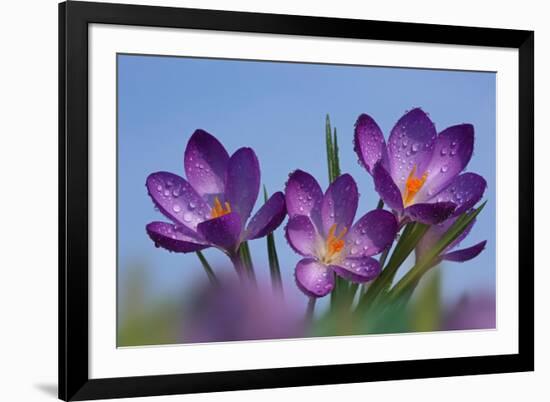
{"x":257,"y":200}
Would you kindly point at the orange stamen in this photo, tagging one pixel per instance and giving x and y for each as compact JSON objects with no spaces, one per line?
{"x":335,"y":244}
{"x":218,"y":210}
{"x":413,"y":186}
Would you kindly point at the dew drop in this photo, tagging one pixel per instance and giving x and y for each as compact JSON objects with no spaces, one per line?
{"x":444,"y":168}
{"x":443,"y":151}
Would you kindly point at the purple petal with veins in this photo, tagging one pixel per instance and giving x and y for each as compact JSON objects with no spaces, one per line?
{"x":386,"y":188}
{"x":369,"y":144}
{"x":410,"y":145}
{"x":358,"y":270}
{"x":205,"y":162}
{"x":301,"y":235}
{"x":313,"y":278}
{"x":268,"y":218}
{"x":168,"y":236}
{"x":452,"y":152}
{"x":465,"y":254}
{"x":177,"y":199}
{"x":371,"y":234}
{"x":304,"y":196}
{"x":223,"y":231}
{"x":465,"y":191}
{"x":339,"y":204}
{"x":430,"y":213}
{"x":242,"y":182}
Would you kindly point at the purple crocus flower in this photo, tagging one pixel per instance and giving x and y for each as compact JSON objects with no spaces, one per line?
{"x":417,"y":174}
{"x":211,"y":208}
{"x":321,"y":229}
{"x":434,"y":234}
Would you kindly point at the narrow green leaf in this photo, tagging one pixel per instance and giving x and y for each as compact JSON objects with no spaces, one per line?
{"x":335,"y":157}
{"x":408,"y":240}
{"x":408,"y":283}
{"x":328,"y":140}
{"x":244,"y":253}
{"x":208,"y":269}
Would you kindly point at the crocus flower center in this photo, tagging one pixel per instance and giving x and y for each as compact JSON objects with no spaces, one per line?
{"x":413,"y":186}
{"x":218,"y":210}
{"x":334,"y":244}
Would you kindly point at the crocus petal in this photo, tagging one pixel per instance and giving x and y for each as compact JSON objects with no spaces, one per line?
{"x":358,"y":270}
{"x":168,"y":236}
{"x":371,"y":234}
{"x":430,"y":213}
{"x":303,"y":196}
{"x":242,"y":182}
{"x":205,"y":162}
{"x":386,"y":188}
{"x":223,"y":232}
{"x":410,"y":145}
{"x":339,"y":204}
{"x":465,"y":191}
{"x":313,"y":278}
{"x":465,"y":254}
{"x":452,"y":152}
{"x":369,"y":143}
{"x":176,"y":199}
{"x":268,"y":218}
{"x":301,"y":235}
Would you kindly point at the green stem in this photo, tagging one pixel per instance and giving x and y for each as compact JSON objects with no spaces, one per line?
{"x":310,"y":309}
{"x":240,"y":268}
{"x":274,"y":267}
{"x":208,"y":269}
{"x":244,"y":252}
{"x":328,"y":140}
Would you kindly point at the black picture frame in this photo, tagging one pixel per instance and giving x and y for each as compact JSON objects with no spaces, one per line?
{"x":74,"y":18}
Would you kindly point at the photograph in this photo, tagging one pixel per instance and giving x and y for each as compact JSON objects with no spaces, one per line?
{"x":276,"y":200}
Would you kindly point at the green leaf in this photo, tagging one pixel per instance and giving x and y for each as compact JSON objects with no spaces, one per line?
{"x":328,"y":140}
{"x":408,"y":240}
{"x":335,"y":158}
{"x":408,"y":283}
{"x":208,"y":269}
{"x":274,"y":267}
{"x":244,"y":253}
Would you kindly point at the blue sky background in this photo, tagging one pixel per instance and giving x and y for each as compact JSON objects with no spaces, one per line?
{"x":279,"y":110}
